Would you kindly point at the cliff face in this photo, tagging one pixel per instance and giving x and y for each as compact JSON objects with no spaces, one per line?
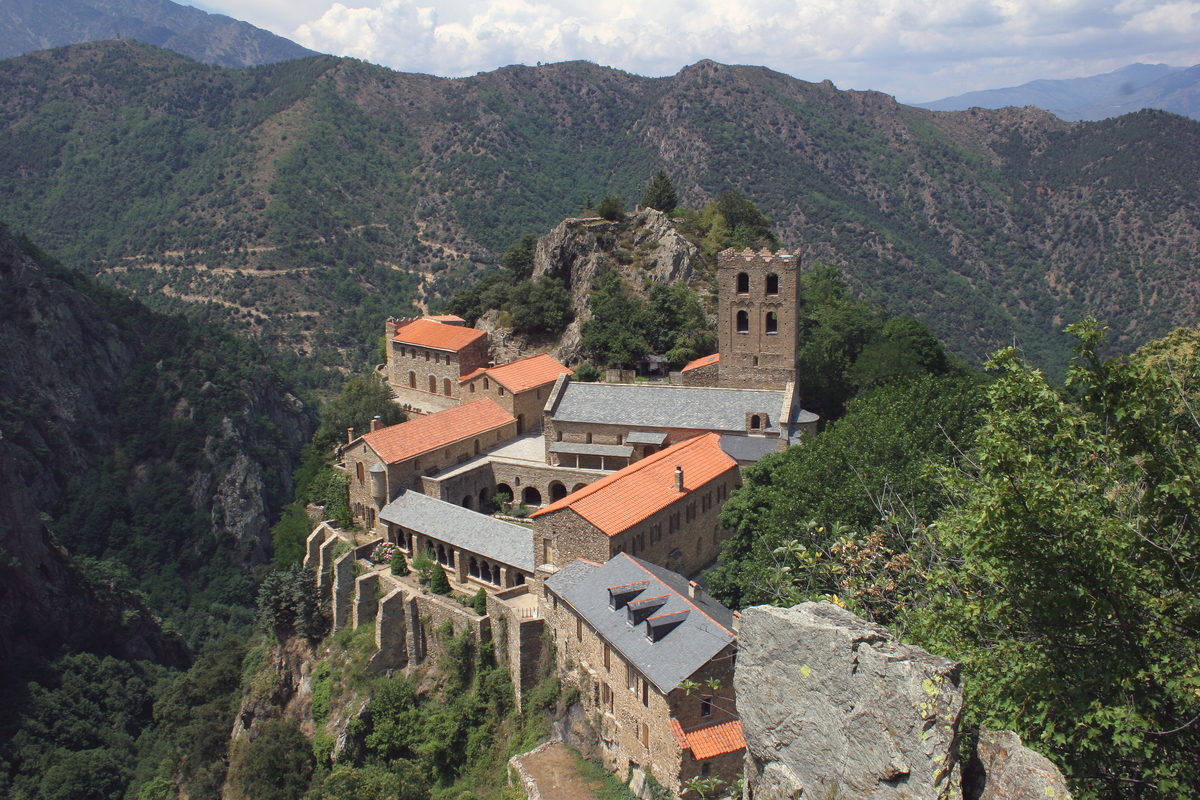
{"x":645,"y":248}
{"x":66,"y":367}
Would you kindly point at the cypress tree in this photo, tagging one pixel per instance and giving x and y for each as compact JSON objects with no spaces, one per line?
{"x":660,"y":194}
{"x":438,"y":582}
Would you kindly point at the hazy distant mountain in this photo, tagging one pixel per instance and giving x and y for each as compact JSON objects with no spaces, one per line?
{"x":1097,"y":97}
{"x":27,"y":25}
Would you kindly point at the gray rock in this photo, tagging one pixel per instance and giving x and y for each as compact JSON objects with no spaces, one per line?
{"x":1001,"y":768}
{"x":832,"y":704}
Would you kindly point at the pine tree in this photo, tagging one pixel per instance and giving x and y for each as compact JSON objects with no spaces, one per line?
{"x":660,"y":194}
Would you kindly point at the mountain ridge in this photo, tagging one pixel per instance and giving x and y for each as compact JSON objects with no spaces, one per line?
{"x":285,"y":199}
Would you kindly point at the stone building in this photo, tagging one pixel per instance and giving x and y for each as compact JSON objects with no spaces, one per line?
{"x":602,"y":425}
{"x":663,"y":509}
{"x":520,"y":387}
{"x":428,"y":357}
{"x":473,"y":548}
{"x":655,"y":667}
{"x":387,"y":460}
{"x":703,"y":371}
{"x":758,"y":300}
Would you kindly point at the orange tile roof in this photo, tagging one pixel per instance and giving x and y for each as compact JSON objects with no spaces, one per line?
{"x":524,"y":373}
{"x":702,"y":361}
{"x":715,"y":739}
{"x":398,"y":443}
{"x":445,"y":318}
{"x":426,"y":332}
{"x":625,"y":498}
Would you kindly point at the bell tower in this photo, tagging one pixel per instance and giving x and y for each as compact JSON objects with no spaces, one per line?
{"x":759,"y":297}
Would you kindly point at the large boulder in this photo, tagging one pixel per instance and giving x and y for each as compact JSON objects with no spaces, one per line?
{"x":832,"y":705}
{"x":1001,"y":768}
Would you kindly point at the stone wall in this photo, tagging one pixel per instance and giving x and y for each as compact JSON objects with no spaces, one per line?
{"x":414,"y":367}
{"x":482,"y":481}
{"x":827,"y":698}
{"x":705,"y":376}
{"x":517,"y":634}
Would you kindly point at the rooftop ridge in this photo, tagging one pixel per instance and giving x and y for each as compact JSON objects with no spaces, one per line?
{"x":683,"y":597}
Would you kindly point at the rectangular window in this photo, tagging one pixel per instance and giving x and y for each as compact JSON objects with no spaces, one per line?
{"x":630,"y":678}
{"x":606,"y":697}
{"x":579,"y":629}
{"x":706,"y":706}
{"x":645,"y":692}
{"x":607,"y":657}
{"x":645,"y":737}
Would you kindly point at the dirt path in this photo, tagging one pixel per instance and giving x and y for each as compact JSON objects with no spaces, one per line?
{"x":556,"y":775}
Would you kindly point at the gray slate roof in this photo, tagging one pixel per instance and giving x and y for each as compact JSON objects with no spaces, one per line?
{"x":646,"y":437}
{"x":667,"y":407}
{"x":583,"y":449}
{"x":485,"y":536}
{"x":707,"y":628}
{"x":748,"y":448}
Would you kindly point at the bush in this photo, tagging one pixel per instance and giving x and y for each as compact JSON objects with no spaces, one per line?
{"x":479,"y":602}
{"x":586,"y":372}
{"x":423,"y":565}
{"x":438,"y":582}
{"x":276,"y":765}
{"x":612,"y":207}
{"x":399,"y":564}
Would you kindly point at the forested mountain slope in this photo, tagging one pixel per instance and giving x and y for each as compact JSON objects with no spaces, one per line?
{"x":309,"y":198}
{"x":27,"y":25}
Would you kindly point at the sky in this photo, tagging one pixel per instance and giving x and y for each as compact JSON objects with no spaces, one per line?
{"x":916,"y":50}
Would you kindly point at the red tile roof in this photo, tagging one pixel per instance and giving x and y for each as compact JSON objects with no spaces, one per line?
{"x":426,"y":332}
{"x":702,"y":361}
{"x":625,"y":498}
{"x":398,"y":443}
{"x":715,"y":739}
{"x":524,"y":373}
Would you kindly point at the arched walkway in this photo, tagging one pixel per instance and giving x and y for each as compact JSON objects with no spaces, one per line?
{"x":468,"y":502}
{"x":532,"y":497}
{"x":557,"y":491}
{"x":578,"y":486}
{"x":504,"y":488}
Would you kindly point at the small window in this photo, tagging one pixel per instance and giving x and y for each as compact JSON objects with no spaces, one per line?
{"x":426,"y":355}
{"x":645,"y":737}
{"x":630,"y":678}
{"x":646,"y":693}
{"x":755,"y":422}
{"x":743,"y":283}
{"x":558,"y":436}
{"x":607,"y":657}
{"x":433,"y":384}
{"x":446,"y":387}
{"x":579,"y":629}
{"x":772,"y":284}
{"x":772,"y":322}
{"x":743,"y":322}
{"x":706,"y":769}
{"x":620,"y":439}
{"x":472,"y":388}
{"x":706,"y":706}
{"x":361,"y":476}
{"x":589,"y":438}
{"x":500,"y":390}
{"x":485,"y":383}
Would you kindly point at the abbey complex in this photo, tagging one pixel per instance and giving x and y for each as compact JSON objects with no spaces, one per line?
{"x":623,"y":484}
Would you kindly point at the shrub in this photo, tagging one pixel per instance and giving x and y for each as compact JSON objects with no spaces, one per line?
{"x":438,"y":582}
{"x":479,"y":602}
{"x":384,"y":552}
{"x":422,"y":564}
{"x":586,"y":372}
{"x":399,"y":563}
{"x":612,"y":207}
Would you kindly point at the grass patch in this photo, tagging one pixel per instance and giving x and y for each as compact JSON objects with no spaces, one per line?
{"x":603,"y":783}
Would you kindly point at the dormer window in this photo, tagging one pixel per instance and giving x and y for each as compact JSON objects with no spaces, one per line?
{"x":641,"y":610}
{"x":619,"y":596}
{"x":658,"y":627}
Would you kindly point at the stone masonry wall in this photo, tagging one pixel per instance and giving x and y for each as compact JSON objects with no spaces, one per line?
{"x":708,"y":375}
{"x":414,"y":372}
{"x":518,"y":640}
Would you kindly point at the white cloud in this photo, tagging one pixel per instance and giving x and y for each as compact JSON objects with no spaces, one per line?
{"x":915,"y":49}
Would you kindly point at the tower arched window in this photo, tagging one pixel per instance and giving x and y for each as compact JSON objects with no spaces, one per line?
{"x":743,"y":322}
{"x":772,"y":284}
{"x":772,"y":322}
{"x":743,"y":283}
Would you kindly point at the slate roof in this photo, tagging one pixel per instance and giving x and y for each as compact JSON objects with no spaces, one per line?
{"x":712,"y":739}
{"x":646,"y":437}
{"x":427,"y":332}
{"x":524,"y":373}
{"x":702,"y":361}
{"x":703,"y":632}
{"x":620,"y":450}
{"x":748,"y":448}
{"x":485,"y":536}
{"x":667,"y":406}
{"x":621,"y":500}
{"x":397,"y":443}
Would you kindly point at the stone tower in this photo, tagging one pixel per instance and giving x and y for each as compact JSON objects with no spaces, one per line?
{"x":759,"y":298}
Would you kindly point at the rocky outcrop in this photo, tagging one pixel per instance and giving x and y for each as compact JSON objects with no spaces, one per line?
{"x":644,"y":247}
{"x":829,"y":700}
{"x":1001,"y":768}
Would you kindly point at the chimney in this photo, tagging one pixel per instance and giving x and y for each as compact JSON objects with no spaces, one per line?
{"x":349,"y":435}
{"x":737,"y":623}
{"x":679,"y":478}
{"x":377,"y":423}
{"x":694,"y":591}
{"x":390,"y":326}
